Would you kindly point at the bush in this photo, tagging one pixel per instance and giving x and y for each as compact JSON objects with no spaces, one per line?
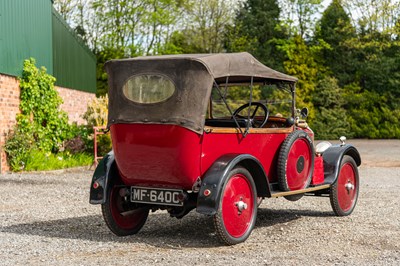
{"x":97,"y":112}
{"x":42,"y":129}
{"x":96,"y":115}
{"x":17,"y":148}
{"x":331,"y":118}
{"x":40,"y":115}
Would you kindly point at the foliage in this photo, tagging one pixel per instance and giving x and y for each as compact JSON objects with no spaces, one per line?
{"x":206,"y":24}
{"x":370,"y":114}
{"x":17,"y":147}
{"x":80,"y":140}
{"x":302,"y":62}
{"x":97,"y":112}
{"x":40,"y":115}
{"x":350,"y":50}
{"x":332,"y":121}
{"x":42,"y":128}
{"x":255,"y":29}
{"x":335,"y":29}
{"x":37,"y":160}
{"x":300,"y":16}
{"x":96,"y":115}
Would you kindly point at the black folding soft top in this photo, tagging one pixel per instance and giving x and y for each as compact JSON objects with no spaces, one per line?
{"x":193,"y":77}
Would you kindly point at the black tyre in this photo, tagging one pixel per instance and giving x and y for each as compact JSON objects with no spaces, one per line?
{"x":295,"y":162}
{"x":121,"y":216}
{"x":237,"y":211}
{"x":344,"y":191}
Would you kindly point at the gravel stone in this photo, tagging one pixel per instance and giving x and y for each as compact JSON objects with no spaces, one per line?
{"x":46,"y":219}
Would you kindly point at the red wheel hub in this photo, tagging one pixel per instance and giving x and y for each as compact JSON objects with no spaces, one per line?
{"x":347,"y":187}
{"x":298,"y":164}
{"x":237,"y":205}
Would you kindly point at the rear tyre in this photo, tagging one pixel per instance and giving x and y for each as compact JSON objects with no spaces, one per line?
{"x":295,"y":163}
{"x":121,"y":216}
{"x":344,"y":192}
{"x":237,"y":211}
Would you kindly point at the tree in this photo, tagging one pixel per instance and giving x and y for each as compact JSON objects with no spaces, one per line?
{"x":204,"y":26}
{"x":335,"y":28}
{"x":373,"y":15}
{"x":328,"y":100}
{"x":64,"y":7}
{"x":256,"y":29}
{"x":302,"y":62}
{"x":371,"y":114}
{"x":299,"y":16}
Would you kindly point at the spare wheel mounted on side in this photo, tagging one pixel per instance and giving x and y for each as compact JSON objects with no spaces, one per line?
{"x":295,"y":163}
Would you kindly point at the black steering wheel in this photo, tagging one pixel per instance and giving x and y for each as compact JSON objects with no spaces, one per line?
{"x":254,"y":122}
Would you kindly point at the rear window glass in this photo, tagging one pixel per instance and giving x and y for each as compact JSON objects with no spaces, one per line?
{"x":148,"y":88}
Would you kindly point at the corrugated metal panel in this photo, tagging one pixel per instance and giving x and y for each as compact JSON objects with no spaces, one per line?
{"x":25,"y":31}
{"x":74,"y":64}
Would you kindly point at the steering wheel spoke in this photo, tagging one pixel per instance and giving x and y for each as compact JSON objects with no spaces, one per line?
{"x":254,"y":122}
{"x":255,"y":111}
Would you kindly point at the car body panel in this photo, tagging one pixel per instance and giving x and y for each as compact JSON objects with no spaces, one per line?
{"x":156,"y":155}
{"x":263,"y":146}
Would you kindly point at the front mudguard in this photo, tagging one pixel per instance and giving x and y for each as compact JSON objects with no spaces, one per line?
{"x":216,"y":176}
{"x":333,"y":158}
{"x":104,"y":170}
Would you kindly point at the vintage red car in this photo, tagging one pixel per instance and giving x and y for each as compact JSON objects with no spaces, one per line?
{"x":216,"y":133}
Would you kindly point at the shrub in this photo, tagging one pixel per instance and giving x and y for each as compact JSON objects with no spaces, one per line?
{"x":97,"y":112}
{"x":17,"y":148}
{"x":42,"y":128}
{"x":96,"y":115}
{"x":40,"y":115}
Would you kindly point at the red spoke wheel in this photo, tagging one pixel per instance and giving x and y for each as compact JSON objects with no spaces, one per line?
{"x":344,"y":192}
{"x":121,"y":216}
{"x":237,"y":212}
{"x":295,"y":163}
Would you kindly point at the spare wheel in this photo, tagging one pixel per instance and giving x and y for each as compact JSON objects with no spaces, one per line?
{"x":296,"y":162}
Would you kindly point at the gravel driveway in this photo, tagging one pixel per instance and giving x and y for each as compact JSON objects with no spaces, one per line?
{"x":46,"y":220}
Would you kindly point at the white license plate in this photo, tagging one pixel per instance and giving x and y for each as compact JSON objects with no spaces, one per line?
{"x":158,"y":196}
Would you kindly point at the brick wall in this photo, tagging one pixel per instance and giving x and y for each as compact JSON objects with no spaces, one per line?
{"x":75,"y":103}
{"x":9,"y":107}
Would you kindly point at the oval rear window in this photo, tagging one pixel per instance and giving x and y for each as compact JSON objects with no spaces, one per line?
{"x":148,"y":88}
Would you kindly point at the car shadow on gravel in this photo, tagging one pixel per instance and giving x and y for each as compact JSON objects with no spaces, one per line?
{"x":194,"y":230}
{"x":268,"y":217}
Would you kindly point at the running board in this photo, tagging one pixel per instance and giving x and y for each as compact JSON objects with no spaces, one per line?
{"x":301,"y":191}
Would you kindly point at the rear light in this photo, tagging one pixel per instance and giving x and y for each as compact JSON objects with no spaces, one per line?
{"x":207,"y":192}
{"x":96,"y":185}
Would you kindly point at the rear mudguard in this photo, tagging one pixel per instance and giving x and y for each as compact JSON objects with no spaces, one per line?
{"x":333,"y":158}
{"x":104,"y":170}
{"x":215,"y":178}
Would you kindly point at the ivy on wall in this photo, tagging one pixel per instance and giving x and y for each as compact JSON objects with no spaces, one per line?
{"x":41,"y":125}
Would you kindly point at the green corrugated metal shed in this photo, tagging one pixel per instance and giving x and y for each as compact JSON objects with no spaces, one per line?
{"x":32,"y":28}
{"x":74,"y":65}
{"x":25,"y":31}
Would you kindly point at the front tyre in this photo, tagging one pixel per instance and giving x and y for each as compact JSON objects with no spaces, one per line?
{"x":121,"y":216}
{"x":237,"y":211}
{"x":344,"y":192}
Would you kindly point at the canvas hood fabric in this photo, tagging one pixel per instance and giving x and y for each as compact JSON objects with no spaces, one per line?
{"x":193,"y":76}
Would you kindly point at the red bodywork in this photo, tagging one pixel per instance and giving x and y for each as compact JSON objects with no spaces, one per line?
{"x":172,"y":156}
